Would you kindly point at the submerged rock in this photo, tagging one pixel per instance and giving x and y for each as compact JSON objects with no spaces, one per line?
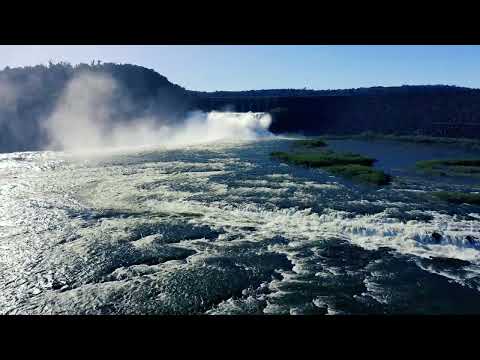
{"x":444,"y":262}
{"x":437,"y":237}
{"x":472,"y":240}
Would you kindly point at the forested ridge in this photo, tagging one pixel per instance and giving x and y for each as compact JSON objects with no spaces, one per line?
{"x":28,"y":95}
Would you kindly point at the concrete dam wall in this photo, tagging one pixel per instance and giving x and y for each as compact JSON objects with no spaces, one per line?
{"x":452,"y":115}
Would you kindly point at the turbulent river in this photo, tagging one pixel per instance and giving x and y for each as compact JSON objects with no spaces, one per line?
{"x":222,"y":228}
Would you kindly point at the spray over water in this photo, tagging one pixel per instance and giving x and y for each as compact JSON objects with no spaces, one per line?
{"x":87,"y":119}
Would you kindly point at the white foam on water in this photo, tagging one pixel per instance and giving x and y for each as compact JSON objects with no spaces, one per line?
{"x":368,"y":231}
{"x":159,"y":189}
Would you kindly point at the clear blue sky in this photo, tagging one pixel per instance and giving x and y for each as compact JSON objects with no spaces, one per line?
{"x":212,"y":68}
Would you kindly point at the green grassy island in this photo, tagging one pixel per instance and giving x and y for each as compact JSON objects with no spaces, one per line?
{"x":468,"y":167}
{"x":472,"y":144}
{"x":311,"y":143}
{"x":348,"y":165}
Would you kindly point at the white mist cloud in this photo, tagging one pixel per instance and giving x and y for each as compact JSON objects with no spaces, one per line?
{"x":85,"y":120}
{"x":8,"y":95}
{"x":202,"y":127}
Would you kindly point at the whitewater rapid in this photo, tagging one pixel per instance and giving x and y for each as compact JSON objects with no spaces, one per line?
{"x":221,"y":228}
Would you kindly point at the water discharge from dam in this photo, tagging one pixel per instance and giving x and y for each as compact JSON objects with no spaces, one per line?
{"x":88,"y":118}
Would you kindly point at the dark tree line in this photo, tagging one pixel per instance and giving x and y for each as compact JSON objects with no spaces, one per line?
{"x":376,"y":90}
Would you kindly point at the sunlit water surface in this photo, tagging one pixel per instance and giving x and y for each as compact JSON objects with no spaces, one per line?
{"x":223,"y":229}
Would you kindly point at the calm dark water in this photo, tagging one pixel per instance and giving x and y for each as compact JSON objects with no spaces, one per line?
{"x":401,"y":156}
{"x":224,"y":229}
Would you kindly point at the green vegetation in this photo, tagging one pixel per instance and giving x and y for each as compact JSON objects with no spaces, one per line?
{"x":462,"y":167}
{"x":348,"y":165}
{"x":361,"y":173}
{"x":310,"y":143}
{"x":472,"y":144}
{"x":323,"y":158}
{"x":460,"y":162}
{"x":458,"y":197}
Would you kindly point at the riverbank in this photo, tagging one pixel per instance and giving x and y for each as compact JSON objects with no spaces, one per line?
{"x":471,"y":144}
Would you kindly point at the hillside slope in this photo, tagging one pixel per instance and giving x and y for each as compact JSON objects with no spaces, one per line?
{"x":29,"y":95}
